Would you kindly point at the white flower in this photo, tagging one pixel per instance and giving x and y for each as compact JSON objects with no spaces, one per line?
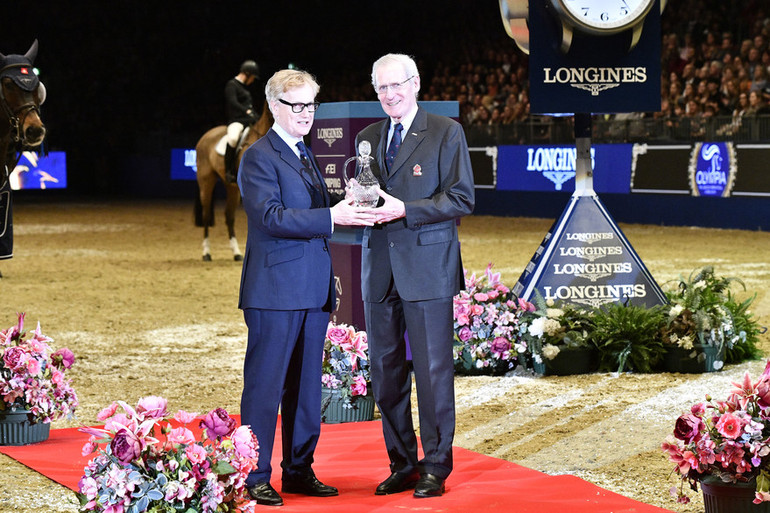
{"x":552,"y":327}
{"x":684,"y":342}
{"x":550,"y":351}
{"x":537,"y":327}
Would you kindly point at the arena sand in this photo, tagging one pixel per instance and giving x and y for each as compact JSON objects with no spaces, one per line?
{"x":124,"y":287}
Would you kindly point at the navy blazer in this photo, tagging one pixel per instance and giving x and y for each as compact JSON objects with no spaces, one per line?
{"x":287,"y":264}
{"x":432,"y":175}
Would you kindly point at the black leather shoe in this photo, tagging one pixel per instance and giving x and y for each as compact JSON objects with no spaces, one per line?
{"x":396,"y":483}
{"x":429,"y":486}
{"x":308,"y":485}
{"x":265,"y":495}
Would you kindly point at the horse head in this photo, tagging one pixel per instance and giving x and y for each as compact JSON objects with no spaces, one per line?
{"x":21,"y":94}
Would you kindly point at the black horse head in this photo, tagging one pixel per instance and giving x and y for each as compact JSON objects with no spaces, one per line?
{"x":19,"y":68}
{"x":21,"y":94}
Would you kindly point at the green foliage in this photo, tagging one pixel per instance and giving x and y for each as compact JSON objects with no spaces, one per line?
{"x":703,"y":310}
{"x":628,"y":337}
{"x":747,"y":331}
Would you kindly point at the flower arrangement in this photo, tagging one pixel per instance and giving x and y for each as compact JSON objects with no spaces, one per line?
{"x":32,"y":375}
{"x":725,"y":440}
{"x":551,"y":328}
{"x":144,"y":463}
{"x":704,"y":312}
{"x":346,"y":362}
{"x":487,"y":325}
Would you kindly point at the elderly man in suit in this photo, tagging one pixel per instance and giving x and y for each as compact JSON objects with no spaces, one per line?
{"x":287,"y":287}
{"x":411,"y":269}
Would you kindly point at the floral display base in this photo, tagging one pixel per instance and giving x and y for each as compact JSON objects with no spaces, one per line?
{"x":334,"y":410}
{"x":720,"y":497}
{"x":17,"y":427}
{"x":569,"y":361}
{"x":707,"y":359}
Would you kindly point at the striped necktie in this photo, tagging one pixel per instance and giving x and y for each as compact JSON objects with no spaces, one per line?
{"x":395,"y":144}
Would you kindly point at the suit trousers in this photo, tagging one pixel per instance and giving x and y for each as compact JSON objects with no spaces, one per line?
{"x":430,"y":329}
{"x":282,"y":368}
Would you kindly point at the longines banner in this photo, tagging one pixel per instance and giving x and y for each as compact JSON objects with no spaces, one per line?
{"x":586,"y":260}
{"x":574,"y":67}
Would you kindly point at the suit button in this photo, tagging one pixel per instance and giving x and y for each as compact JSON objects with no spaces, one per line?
{"x":392,"y":244}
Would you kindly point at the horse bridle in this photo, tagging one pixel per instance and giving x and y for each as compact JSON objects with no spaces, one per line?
{"x":16,"y":117}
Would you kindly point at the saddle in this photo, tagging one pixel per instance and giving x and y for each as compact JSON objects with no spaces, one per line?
{"x":221,"y":145}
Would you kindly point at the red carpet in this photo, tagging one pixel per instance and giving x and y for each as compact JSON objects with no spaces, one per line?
{"x":352,"y":457}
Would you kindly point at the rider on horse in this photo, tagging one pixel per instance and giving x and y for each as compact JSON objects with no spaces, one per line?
{"x":240,"y":112}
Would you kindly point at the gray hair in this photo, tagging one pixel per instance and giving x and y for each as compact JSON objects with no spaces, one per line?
{"x":286,"y":79}
{"x":406,"y":62}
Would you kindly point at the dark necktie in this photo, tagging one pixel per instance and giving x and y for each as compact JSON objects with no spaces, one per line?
{"x":395,"y":144}
{"x":308,"y":166}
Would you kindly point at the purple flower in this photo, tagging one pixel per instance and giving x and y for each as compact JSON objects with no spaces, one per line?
{"x":217,"y":423}
{"x":126,"y":446}
{"x":465,"y":333}
{"x":500,"y":345}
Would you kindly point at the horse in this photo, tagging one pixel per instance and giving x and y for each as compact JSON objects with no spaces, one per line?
{"x":211,"y":167}
{"x":21,"y":128}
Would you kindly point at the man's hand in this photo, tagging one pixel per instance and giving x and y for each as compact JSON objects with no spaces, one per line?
{"x":345,"y":214}
{"x":393,"y":208}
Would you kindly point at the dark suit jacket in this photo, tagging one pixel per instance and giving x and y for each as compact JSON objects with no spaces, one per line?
{"x":287,"y":265}
{"x":432,"y":175}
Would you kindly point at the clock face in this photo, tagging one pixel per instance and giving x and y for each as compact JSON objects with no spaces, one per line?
{"x":603,"y":16}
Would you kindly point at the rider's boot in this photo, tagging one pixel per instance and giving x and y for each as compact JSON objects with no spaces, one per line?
{"x":230,"y":170}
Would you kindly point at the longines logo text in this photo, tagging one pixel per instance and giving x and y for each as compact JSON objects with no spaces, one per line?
{"x":593,"y":79}
{"x":329,"y":135}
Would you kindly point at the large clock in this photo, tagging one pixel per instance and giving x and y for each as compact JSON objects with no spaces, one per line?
{"x":602,"y":17}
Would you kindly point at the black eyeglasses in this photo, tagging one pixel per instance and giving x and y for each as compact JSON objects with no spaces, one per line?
{"x":296,"y":108}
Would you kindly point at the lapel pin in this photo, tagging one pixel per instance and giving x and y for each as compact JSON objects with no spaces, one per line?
{"x":417,"y":170}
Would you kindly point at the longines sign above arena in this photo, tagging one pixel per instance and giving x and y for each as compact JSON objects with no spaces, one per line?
{"x":575,"y":68}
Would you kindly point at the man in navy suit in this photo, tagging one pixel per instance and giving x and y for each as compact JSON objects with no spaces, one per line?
{"x":287,"y":287}
{"x":411,"y":269}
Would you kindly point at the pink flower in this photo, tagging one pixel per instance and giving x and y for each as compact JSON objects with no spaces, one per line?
{"x":688,"y":427}
{"x":337,"y":334}
{"x":152,"y":407}
{"x":195,"y":453}
{"x":217,"y":423}
{"x":15,"y":358}
{"x":184,"y":417}
{"x":359,"y":386}
{"x":33,"y":366}
{"x":244,"y":442}
{"x":63,"y":358}
{"x":729,"y":426}
{"x":89,"y":447}
{"x":526,"y":305}
{"x":181,"y":435}
{"x":107,"y":412}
